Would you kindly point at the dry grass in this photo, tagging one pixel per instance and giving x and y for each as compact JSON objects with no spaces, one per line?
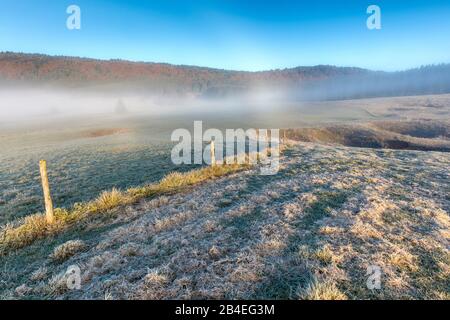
{"x":39,"y":274}
{"x":57,"y":285}
{"x":156,"y":278}
{"x":109,"y":199}
{"x":317,"y":290}
{"x":130,"y":250}
{"x":328,"y":230}
{"x":324,"y":255}
{"x":403,"y":261}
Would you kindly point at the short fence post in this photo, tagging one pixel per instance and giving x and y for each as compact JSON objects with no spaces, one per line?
{"x":46,"y":188}
{"x":213,"y":153}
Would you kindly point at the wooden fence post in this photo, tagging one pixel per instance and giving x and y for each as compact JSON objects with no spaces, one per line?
{"x":213,"y":153}
{"x":47,"y":197}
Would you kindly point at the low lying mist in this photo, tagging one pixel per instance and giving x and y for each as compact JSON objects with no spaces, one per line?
{"x":31,"y":103}
{"x":35,"y":102}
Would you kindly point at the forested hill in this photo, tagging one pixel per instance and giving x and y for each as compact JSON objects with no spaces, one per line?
{"x":314,"y":82}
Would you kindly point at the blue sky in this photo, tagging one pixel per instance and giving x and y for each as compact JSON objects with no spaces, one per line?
{"x":234,"y":34}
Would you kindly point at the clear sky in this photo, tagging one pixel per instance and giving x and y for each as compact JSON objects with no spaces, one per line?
{"x":234,"y":34}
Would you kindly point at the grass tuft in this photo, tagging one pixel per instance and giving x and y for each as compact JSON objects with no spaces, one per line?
{"x":324,"y":255}
{"x":317,"y":290}
{"x":67,"y":250}
{"x":109,"y":199}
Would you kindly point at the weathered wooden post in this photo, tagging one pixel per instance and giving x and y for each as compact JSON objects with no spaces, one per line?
{"x":213,"y":153}
{"x":47,"y":197}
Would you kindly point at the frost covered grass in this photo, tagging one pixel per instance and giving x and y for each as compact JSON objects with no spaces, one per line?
{"x":309,"y":232}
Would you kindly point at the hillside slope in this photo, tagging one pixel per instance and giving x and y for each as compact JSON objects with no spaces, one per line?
{"x":322,"y":82}
{"x":309,"y":232}
{"x":404,"y":135}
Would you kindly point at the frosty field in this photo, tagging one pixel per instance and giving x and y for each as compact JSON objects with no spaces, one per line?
{"x":309,"y":232}
{"x":80,"y":167}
